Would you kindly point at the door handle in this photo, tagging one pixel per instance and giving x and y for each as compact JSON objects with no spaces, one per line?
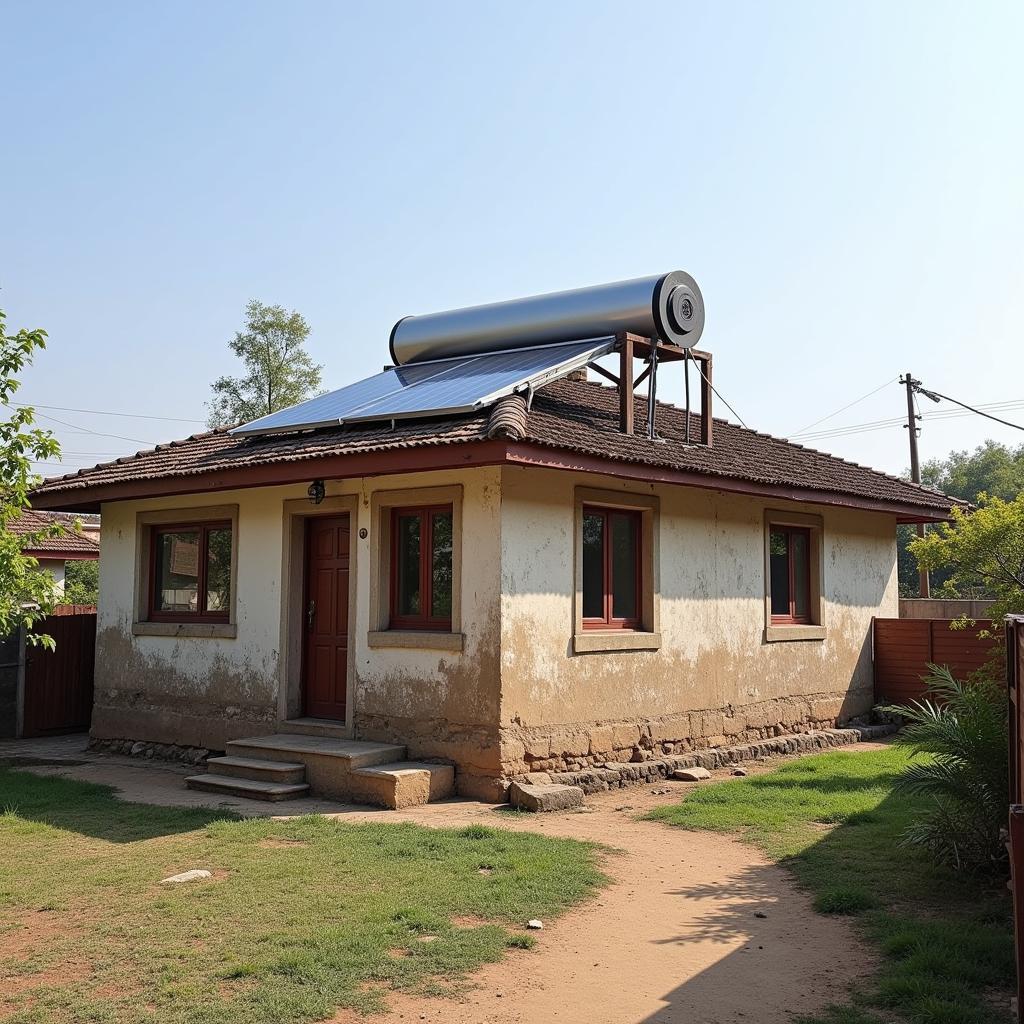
{"x":310,"y":612}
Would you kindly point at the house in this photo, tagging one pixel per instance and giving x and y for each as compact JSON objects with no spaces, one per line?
{"x":79,"y":540}
{"x":532,"y":584}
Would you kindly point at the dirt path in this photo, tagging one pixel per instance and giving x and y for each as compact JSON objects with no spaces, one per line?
{"x":695,"y":928}
{"x":675,"y":938}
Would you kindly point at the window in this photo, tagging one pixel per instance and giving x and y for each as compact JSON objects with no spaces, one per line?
{"x":789,"y":551}
{"x":190,"y":572}
{"x":421,"y":568}
{"x":611,"y":568}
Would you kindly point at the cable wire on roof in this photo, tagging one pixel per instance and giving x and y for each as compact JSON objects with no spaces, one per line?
{"x":696,"y":362}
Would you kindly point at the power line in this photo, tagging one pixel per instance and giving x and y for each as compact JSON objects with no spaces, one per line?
{"x":857,"y":428}
{"x":102,"y":412}
{"x":856,"y":401}
{"x":936,"y":395}
{"x":98,"y":433}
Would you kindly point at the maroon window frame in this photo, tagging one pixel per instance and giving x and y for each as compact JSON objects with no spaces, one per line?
{"x":796,"y":587}
{"x":426,"y":514}
{"x":608,"y":620}
{"x":203,"y":529}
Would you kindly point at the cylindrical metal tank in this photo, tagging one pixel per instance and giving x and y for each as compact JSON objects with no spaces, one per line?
{"x":667,"y":306}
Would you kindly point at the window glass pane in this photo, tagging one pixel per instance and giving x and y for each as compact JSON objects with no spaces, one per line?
{"x":779,"y":560}
{"x":177,"y":572}
{"x":624,"y":566}
{"x":593,"y":565}
{"x":801,"y":571}
{"x":218,"y":569}
{"x":408,"y":589}
{"x":441,"y":566}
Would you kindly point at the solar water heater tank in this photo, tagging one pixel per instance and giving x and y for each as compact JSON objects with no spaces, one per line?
{"x":667,"y":307}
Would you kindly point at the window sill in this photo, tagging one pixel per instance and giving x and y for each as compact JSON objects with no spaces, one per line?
{"x":773,"y":634}
{"x":615,"y":640}
{"x":415,"y":638}
{"x":222,"y":630}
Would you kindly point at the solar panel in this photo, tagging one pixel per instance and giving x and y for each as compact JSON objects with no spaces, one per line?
{"x":439,"y":387}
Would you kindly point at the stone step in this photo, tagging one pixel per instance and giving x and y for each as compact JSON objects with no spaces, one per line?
{"x":257,"y":768}
{"x":252,"y":789}
{"x":329,"y":762}
{"x":314,"y":727}
{"x":289,"y":747}
{"x":402,"y":784}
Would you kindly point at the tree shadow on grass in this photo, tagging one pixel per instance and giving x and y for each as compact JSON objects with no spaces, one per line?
{"x":94,"y":810}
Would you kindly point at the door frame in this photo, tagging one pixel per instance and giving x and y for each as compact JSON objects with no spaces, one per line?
{"x":297,"y":512}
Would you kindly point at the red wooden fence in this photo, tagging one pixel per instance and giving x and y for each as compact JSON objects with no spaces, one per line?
{"x":1014,"y":685}
{"x":59,"y":683}
{"x":904,"y":648}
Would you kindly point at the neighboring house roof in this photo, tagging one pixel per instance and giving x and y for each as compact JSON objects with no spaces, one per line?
{"x":69,"y":544}
{"x":571,"y":424}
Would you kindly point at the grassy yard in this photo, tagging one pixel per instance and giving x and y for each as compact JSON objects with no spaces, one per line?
{"x":944,"y":941}
{"x":301,"y":918}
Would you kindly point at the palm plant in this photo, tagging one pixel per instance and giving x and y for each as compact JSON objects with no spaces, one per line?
{"x":963,"y":726}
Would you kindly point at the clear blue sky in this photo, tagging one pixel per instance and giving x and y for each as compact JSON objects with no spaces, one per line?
{"x":843,"y":180}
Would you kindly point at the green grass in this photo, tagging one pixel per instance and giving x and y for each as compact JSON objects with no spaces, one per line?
{"x":301,"y":918}
{"x":944,"y":941}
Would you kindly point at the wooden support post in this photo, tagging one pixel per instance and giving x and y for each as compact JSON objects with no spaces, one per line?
{"x":705,"y":398}
{"x":626,"y":383}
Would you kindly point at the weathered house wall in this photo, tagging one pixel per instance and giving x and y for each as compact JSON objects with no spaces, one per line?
{"x":513,"y":695}
{"x":714,"y":677}
{"x":205,"y":691}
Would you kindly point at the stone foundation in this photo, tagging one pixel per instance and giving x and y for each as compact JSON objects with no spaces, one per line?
{"x":612,"y":775}
{"x":158,"y":751}
{"x":155,"y":719}
{"x":575,"y":748}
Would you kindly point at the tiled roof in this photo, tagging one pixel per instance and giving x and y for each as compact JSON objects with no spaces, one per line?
{"x":568,"y":415}
{"x":68,"y":542}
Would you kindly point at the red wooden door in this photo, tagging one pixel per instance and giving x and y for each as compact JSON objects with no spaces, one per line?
{"x":325,"y":617}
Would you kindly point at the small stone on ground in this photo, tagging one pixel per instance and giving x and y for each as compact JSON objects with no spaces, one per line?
{"x":691,"y":774}
{"x":535,"y":924}
{"x":544,"y":798}
{"x":187,"y":876}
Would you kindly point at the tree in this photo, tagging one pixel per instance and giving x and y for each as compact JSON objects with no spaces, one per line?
{"x":27,"y":593}
{"x":279,"y":371}
{"x":993,"y":469}
{"x":82,"y":581}
{"x":980,"y":549}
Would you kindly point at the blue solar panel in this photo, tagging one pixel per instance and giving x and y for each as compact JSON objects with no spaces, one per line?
{"x":440,"y":387}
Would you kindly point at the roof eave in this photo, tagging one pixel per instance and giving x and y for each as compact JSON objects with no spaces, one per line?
{"x":421,"y":458}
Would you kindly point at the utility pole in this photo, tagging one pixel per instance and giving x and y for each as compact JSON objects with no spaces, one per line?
{"x":915,"y":462}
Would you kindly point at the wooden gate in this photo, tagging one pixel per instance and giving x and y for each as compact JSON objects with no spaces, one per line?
{"x":905,"y":647}
{"x":59,"y":683}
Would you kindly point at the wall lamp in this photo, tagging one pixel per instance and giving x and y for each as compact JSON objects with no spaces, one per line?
{"x":316,"y":492}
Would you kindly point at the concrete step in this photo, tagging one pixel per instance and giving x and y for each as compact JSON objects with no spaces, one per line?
{"x":314,"y":727}
{"x":402,"y":784}
{"x":329,"y":762}
{"x":252,"y":789}
{"x":288,"y":747}
{"x":257,"y":768}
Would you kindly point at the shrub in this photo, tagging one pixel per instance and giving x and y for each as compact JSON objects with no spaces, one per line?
{"x":963,"y":726}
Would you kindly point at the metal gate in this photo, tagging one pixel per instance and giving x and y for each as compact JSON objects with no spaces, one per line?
{"x":59,"y":683}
